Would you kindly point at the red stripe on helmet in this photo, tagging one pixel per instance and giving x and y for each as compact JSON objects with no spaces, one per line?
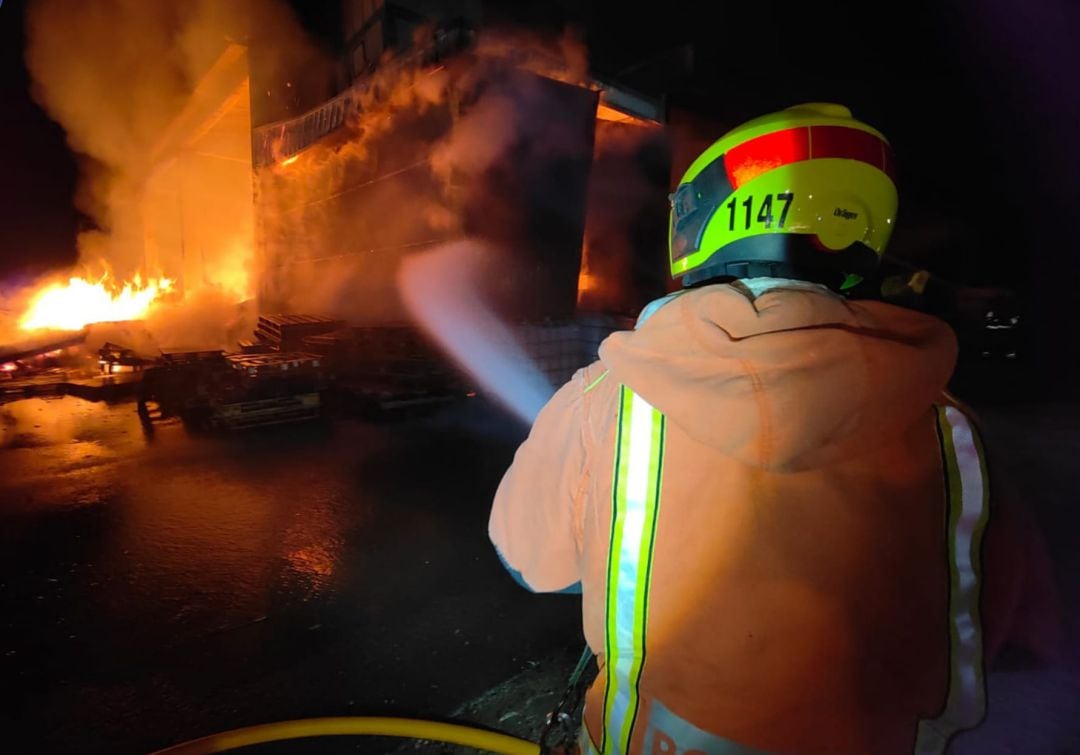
{"x":749,"y":160}
{"x":850,"y":144}
{"x":887,"y":163}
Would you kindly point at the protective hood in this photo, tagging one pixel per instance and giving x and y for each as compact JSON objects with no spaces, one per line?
{"x":785,"y":375}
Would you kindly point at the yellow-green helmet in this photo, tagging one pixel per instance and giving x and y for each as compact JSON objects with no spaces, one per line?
{"x":807,"y":192}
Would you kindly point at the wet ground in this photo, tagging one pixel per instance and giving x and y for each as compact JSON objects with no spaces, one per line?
{"x":154,"y":588}
{"x":157,"y":588}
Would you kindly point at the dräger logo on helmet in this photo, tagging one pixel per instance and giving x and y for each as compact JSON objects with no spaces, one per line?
{"x":840,"y":212}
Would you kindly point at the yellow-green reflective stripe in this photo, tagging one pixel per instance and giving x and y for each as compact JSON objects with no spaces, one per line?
{"x":635,"y":500}
{"x":622,"y":459}
{"x":596,"y":382}
{"x":968,"y":501}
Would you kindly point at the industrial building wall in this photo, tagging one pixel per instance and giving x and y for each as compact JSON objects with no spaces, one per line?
{"x":373,"y":28}
{"x":531,"y":204}
{"x":198,"y":216}
{"x":624,"y":263}
{"x":335,"y":221}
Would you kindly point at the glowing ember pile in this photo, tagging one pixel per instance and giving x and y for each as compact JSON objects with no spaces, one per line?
{"x":79,"y":302}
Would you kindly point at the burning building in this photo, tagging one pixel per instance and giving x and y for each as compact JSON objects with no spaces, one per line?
{"x":260,"y":168}
{"x":444,"y":132}
{"x":452,"y":137}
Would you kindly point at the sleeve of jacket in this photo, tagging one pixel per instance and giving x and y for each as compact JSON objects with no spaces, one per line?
{"x":535,"y":520}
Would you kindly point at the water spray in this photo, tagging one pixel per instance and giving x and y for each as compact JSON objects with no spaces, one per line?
{"x":441,"y":290}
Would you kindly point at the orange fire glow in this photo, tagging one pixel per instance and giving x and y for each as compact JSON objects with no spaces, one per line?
{"x":79,"y":302}
{"x":607,"y":113}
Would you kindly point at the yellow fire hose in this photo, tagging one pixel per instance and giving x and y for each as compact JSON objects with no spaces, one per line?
{"x":408,"y":728}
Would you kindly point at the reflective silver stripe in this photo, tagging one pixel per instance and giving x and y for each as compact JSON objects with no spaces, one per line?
{"x":635,"y":500}
{"x":584,"y":742}
{"x":968,"y":511}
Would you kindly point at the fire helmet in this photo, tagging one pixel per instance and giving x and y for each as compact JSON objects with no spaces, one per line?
{"x":805,"y":193}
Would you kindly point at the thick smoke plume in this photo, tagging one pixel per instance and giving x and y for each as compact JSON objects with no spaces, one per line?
{"x":115,"y":74}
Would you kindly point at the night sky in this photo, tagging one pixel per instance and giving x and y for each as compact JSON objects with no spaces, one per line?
{"x":979,"y":99}
{"x":38,"y":221}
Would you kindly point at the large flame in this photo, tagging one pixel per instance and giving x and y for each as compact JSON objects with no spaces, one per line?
{"x":79,"y":302}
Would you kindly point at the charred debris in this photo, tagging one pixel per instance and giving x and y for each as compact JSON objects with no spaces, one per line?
{"x":294,"y":368}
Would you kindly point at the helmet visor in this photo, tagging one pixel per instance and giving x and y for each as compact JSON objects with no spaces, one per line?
{"x":693,"y":204}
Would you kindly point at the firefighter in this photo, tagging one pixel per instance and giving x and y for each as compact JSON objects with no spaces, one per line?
{"x":786,"y":535}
